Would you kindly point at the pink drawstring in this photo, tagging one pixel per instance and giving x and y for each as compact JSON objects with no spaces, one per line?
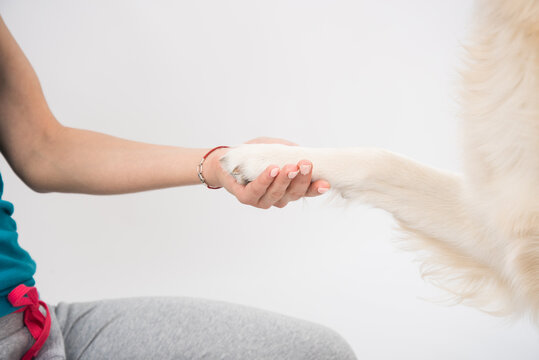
{"x":38,"y":324}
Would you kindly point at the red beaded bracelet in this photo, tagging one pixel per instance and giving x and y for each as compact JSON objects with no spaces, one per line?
{"x":199,"y":167}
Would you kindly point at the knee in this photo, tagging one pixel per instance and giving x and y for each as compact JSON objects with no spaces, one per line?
{"x":317,"y":342}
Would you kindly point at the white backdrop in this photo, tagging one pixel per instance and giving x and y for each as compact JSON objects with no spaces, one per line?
{"x":206,"y":73}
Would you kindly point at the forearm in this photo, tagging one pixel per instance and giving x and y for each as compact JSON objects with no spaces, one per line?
{"x":82,"y":161}
{"x":50,"y":157}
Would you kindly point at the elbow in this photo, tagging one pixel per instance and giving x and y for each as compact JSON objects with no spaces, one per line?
{"x":38,"y":187}
{"x":36,"y":166}
{"x":33,"y":177}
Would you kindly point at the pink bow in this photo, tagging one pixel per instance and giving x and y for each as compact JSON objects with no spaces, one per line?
{"x":38,"y":324}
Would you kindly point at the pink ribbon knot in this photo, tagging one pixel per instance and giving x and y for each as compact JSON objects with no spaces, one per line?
{"x":38,"y":324}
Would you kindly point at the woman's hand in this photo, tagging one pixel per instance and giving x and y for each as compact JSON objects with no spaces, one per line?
{"x":274,"y":187}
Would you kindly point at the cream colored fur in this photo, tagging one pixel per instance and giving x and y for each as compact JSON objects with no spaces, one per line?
{"x":478,"y":232}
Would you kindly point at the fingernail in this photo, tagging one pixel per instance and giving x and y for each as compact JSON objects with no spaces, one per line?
{"x":292,"y":175}
{"x":322,"y":190}
{"x":305,"y":169}
{"x":274,"y":172}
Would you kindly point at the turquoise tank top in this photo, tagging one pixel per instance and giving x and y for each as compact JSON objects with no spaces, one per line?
{"x":16,"y":265}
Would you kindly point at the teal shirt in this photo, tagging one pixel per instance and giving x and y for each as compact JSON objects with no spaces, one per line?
{"x":16,"y":265}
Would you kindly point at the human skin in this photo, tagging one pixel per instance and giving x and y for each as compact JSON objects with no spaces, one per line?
{"x":50,"y":157}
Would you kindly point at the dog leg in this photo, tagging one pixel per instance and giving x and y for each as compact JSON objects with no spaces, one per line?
{"x":420,"y":197}
{"x":429,"y":204}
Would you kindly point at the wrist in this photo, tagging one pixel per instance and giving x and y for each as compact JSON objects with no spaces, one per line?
{"x":212,"y":171}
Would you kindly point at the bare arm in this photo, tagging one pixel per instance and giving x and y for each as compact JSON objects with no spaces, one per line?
{"x":50,"y":157}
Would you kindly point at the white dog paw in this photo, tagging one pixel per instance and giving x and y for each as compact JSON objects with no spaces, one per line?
{"x":247,"y":161}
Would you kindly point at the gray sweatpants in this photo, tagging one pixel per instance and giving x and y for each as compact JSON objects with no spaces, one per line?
{"x":172,"y":328}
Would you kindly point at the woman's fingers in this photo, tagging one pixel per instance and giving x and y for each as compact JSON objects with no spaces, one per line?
{"x":277,"y":190}
{"x":317,"y":188}
{"x":299,"y":185}
{"x":258,"y":188}
{"x":277,"y":187}
{"x":251,"y":193}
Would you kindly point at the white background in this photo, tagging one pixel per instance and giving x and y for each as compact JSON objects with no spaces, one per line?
{"x":206,"y":73}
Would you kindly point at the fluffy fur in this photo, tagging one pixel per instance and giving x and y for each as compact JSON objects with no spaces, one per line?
{"x":478,"y":233}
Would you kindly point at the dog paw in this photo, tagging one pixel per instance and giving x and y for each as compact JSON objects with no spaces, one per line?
{"x":246,"y":162}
